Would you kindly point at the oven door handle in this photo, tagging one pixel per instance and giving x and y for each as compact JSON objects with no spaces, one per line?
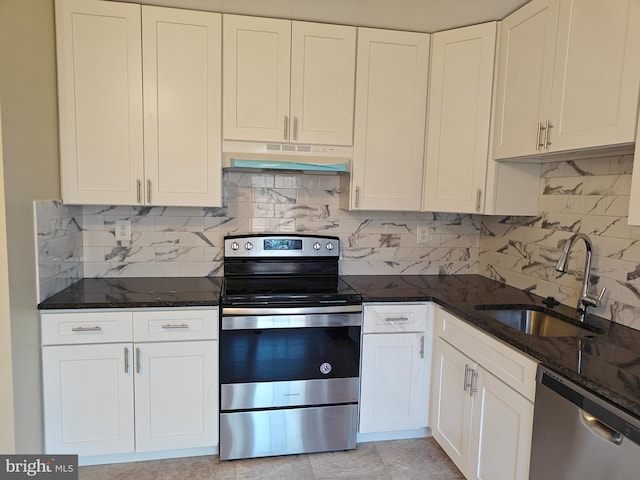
{"x":290,"y":310}
{"x":266,"y":322}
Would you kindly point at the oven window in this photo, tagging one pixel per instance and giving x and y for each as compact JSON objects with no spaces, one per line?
{"x":288,"y":354}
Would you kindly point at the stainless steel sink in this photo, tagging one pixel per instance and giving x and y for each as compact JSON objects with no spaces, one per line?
{"x":535,"y":322}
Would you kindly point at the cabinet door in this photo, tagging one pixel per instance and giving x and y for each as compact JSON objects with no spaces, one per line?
{"x":256,"y":78}
{"x":597,"y":70}
{"x":176,"y":386}
{"x":458,"y":118}
{"x":450,"y":402}
{"x":100,"y":101}
{"x":634,"y":200}
{"x":392,"y":389}
{"x":390,"y":115}
{"x":182,"y":95}
{"x":323,"y":67}
{"x":501,"y":431}
{"x":88,"y":399}
{"x":523,"y":86}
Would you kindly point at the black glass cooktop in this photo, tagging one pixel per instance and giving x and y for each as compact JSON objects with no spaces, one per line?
{"x":287,"y":289}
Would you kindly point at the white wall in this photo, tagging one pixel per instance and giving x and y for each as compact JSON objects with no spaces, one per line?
{"x":7,"y":441}
{"x":28,"y":92}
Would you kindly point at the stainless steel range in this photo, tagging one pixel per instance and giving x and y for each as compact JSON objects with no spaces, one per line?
{"x":289,"y":348}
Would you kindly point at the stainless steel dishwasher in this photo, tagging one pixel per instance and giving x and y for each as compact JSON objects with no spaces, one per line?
{"x":577,"y":435}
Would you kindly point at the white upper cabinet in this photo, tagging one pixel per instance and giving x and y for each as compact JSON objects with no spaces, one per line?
{"x":458,"y":118}
{"x":634,"y":200}
{"x":182,"y":105}
{"x":288,"y":81}
{"x":391,"y":102}
{"x":568,"y":73}
{"x":526,"y":49}
{"x":323,"y":69}
{"x":597,"y":71}
{"x":256,"y":56}
{"x":100,"y":101}
{"x":101,"y":46}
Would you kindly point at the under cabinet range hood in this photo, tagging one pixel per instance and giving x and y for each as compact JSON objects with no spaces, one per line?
{"x":251,"y":156}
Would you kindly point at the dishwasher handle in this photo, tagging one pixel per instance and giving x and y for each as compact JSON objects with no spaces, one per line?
{"x":600,"y":429}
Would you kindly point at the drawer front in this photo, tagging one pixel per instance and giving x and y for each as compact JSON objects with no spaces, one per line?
{"x":395,"y":317}
{"x":85,"y":327}
{"x":175,"y":324}
{"x":511,"y":366}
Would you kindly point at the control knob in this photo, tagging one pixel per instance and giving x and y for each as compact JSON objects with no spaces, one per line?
{"x":234,"y":246}
{"x":329,"y":246}
{"x":248,"y":246}
{"x":316,"y":246}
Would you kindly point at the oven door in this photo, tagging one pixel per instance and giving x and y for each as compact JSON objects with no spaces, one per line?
{"x":273,"y":361}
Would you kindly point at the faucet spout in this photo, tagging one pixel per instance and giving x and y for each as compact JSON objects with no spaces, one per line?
{"x":584,"y":300}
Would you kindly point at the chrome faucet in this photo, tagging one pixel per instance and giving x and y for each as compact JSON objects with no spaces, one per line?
{"x":584,"y":300}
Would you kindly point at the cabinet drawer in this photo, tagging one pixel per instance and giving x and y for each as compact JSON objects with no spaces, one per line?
{"x":395,"y":317}
{"x":85,"y":327}
{"x":512,"y":367}
{"x":168,"y":325}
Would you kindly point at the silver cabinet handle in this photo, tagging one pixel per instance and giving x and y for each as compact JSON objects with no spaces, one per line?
{"x":422,"y":347}
{"x":478,"y":198}
{"x":126,"y":359}
{"x":467,"y":371}
{"x":547,"y":138}
{"x":357,"y":197}
{"x":539,"y":142}
{"x":174,"y":325}
{"x":473,"y":386}
{"x":601,"y":429}
{"x":137,"y":360}
{"x":139,"y":190}
{"x":295,"y":128}
{"x":286,"y":127}
{"x":396,"y":319}
{"x":148,"y":190}
{"x":97,"y":328}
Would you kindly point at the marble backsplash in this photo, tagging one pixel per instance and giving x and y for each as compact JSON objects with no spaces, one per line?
{"x":185,"y":242}
{"x":59,"y":246}
{"x":589,"y":196}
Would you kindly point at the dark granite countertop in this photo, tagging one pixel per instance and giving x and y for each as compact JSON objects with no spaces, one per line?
{"x":607,"y":364}
{"x":137,"y":292}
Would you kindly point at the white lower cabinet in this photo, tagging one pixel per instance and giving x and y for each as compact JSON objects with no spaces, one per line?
{"x":501,"y":427}
{"x":395,"y":368}
{"x":481,"y":422}
{"x":176,"y":392}
{"x":135,"y":395}
{"x":88,"y":393}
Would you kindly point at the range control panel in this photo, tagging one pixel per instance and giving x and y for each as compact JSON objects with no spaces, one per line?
{"x":281,"y":245}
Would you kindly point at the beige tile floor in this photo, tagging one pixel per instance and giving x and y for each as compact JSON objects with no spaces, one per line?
{"x":391,"y":460}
